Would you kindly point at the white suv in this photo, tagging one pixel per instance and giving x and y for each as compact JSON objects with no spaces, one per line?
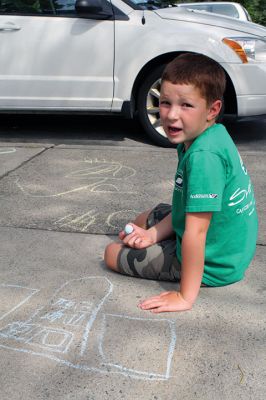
{"x":101,"y":56}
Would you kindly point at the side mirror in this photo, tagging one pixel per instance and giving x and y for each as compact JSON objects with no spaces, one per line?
{"x":88,"y":6}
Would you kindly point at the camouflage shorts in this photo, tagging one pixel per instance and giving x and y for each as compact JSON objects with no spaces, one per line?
{"x":158,"y":262}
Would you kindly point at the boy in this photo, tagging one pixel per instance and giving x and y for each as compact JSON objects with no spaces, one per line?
{"x":208,"y":237}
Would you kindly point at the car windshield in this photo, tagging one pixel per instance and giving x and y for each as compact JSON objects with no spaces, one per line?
{"x":151,"y":4}
{"x":225,"y":9}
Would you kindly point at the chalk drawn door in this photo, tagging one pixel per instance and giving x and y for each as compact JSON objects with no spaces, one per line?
{"x":72,"y":325}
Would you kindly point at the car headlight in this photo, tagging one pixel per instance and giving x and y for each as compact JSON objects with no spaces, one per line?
{"x":248,"y":49}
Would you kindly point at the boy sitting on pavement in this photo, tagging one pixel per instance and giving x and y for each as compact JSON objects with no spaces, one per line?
{"x":208,"y":236}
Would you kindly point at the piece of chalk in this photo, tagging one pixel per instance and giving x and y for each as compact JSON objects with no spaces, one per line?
{"x":128,"y":229}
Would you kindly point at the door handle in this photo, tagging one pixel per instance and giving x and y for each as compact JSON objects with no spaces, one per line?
{"x":9,"y":26}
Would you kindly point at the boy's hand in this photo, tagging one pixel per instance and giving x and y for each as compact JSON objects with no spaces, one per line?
{"x":138,"y":239}
{"x":166,"y":302}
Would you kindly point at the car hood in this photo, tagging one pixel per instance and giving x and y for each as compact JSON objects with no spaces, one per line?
{"x":200,"y":17}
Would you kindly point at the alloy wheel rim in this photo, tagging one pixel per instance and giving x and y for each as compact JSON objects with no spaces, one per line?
{"x":152,"y":107}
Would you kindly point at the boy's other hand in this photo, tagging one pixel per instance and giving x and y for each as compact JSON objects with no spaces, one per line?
{"x":166,"y":302}
{"x":139,"y":239}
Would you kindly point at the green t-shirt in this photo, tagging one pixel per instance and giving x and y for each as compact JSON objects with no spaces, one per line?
{"x":211,"y":177}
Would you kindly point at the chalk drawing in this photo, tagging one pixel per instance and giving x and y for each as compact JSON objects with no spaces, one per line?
{"x":66,"y":310}
{"x":103,"y":167}
{"x":90,"y":188}
{"x":71,"y":326}
{"x":114,"y":172}
{"x":114,"y":220}
{"x":79,"y":223}
{"x":130,"y":331}
{"x":56,"y":340}
{"x":7,"y":150}
{"x":16,"y":295}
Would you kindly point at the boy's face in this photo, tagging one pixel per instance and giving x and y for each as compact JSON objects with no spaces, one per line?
{"x":184,"y":112}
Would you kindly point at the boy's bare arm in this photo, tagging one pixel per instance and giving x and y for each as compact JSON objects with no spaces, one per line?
{"x":193,"y":250}
{"x":141,"y":238}
{"x":193,"y":254}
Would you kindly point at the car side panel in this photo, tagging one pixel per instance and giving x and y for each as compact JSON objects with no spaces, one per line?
{"x":56,"y":62}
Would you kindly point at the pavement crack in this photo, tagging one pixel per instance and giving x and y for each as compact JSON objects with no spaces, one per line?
{"x":25,"y":162}
{"x":32,"y":228}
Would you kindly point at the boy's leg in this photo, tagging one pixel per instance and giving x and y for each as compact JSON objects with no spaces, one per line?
{"x":113,"y":249}
{"x":141,"y":219}
{"x":111,"y":254}
{"x":155,"y":262}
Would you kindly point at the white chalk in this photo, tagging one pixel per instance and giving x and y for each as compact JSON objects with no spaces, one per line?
{"x":128,"y":229}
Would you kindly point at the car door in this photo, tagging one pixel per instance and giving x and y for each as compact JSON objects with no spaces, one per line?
{"x":54,"y":58}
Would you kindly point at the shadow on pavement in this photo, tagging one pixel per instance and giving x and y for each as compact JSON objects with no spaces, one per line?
{"x":248,"y":134}
{"x":71,"y":129}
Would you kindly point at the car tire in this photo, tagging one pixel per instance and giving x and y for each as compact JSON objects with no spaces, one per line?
{"x":148,"y":107}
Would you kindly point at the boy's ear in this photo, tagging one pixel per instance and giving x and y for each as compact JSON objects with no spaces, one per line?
{"x":214,"y":110}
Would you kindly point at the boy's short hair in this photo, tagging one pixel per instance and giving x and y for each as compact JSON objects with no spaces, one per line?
{"x":198,"y":70}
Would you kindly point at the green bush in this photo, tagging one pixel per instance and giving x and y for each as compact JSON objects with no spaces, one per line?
{"x":256,"y":9}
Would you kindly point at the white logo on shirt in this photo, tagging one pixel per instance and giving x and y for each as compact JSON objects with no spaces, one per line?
{"x":239,"y":196}
{"x":179,"y":181}
{"x":204,"y":196}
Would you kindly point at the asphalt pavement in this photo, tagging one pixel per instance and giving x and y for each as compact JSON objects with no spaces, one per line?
{"x":71,"y":329}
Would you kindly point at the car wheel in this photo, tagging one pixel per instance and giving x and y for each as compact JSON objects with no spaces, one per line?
{"x":148,"y":107}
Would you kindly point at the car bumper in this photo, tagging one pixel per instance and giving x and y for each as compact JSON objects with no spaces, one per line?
{"x":250,"y":86}
{"x":251,"y":105}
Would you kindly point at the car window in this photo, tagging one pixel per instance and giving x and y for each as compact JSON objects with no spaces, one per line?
{"x":225,"y":9}
{"x":25,"y":6}
{"x":38,"y":7}
{"x":201,"y":7}
{"x":65,"y":6}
